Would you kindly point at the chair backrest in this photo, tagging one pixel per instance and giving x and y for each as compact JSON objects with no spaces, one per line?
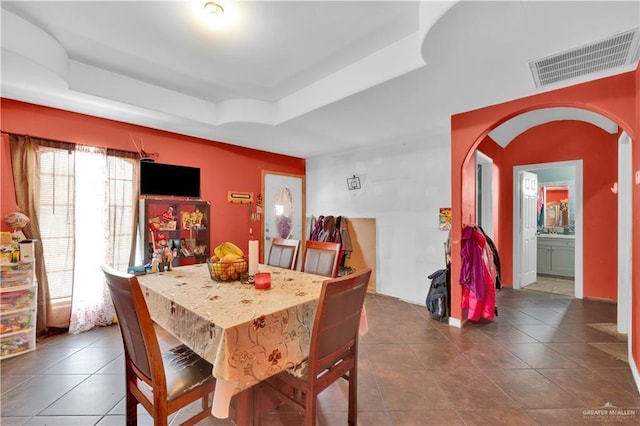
{"x":321,"y":258}
{"x":283,"y":253}
{"x":142,"y":351}
{"x":335,"y":328}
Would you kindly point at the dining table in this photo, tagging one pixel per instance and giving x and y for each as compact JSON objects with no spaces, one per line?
{"x":247,"y":334}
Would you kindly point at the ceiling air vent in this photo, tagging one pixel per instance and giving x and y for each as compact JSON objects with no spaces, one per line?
{"x":616,"y":51}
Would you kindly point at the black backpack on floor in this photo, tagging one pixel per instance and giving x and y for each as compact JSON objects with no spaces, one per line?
{"x":438,"y":296}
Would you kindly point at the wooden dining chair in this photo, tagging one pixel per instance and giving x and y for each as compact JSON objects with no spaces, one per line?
{"x":333,"y":353}
{"x":283,"y":253}
{"x":321,"y":258}
{"x":162,"y":382}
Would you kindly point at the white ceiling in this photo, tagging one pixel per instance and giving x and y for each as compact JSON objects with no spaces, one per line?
{"x":300,"y":78}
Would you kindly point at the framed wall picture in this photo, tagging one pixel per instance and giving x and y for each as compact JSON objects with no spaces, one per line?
{"x":444,"y":223}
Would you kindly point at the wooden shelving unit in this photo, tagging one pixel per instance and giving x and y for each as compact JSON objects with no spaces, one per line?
{"x":181,"y":225}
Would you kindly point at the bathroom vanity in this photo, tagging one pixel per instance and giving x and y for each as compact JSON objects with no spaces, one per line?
{"x":556,"y":254}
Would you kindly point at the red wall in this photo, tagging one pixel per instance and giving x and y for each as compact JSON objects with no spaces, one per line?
{"x":566,"y":141}
{"x":557,"y":195}
{"x":7,"y":196}
{"x":223,"y":167}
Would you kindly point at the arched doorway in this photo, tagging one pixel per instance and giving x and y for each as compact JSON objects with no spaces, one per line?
{"x":622,"y":181}
{"x":615,"y":97}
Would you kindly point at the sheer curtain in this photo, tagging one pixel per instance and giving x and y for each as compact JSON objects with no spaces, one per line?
{"x":90,"y":302}
{"x":104,"y":231}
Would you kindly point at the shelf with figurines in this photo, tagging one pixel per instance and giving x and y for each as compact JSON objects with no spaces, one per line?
{"x":177,"y":231}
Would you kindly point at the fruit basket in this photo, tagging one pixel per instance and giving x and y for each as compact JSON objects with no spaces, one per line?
{"x":227,"y":270}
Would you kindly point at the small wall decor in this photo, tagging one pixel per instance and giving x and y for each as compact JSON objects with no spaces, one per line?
{"x":445,"y":219}
{"x":353,"y":183}
{"x":239,"y":197}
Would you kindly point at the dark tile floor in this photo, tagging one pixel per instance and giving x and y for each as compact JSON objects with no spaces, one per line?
{"x":534,"y":364}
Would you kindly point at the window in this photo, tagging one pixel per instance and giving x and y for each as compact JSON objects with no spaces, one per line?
{"x":121,"y":210}
{"x":57,"y":186}
{"x":87,"y":215}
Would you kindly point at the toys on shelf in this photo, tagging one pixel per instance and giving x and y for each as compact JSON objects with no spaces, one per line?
{"x":192,"y":220}
{"x":176,"y":231}
{"x":14,"y":248}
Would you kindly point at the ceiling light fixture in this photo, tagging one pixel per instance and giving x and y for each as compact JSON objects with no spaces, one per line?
{"x":219,"y":16}
{"x":214,"y":8}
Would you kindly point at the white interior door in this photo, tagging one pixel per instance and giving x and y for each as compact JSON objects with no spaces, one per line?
{"x":283,"y":208}
{"x":529,"y":222}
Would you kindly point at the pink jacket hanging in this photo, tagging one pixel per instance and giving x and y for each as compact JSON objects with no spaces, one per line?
{"x":478,"y":291}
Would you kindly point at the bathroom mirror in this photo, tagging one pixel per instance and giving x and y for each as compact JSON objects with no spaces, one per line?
{"x":554,"y":209}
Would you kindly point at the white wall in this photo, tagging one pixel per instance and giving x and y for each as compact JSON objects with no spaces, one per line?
{"x":403,"y":187}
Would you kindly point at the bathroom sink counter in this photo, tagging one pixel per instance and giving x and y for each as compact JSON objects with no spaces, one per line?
{"x":556,"y":254}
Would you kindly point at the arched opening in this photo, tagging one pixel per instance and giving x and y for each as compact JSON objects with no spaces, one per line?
{"x":603,"y":129}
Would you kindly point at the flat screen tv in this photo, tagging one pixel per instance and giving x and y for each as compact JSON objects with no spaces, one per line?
{"x":169,"y":180}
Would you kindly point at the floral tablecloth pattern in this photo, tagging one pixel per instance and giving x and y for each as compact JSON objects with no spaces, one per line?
{"x":247,"y":334}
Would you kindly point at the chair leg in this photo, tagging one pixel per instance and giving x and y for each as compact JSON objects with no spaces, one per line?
{"x":353,"y":396}
{"x":131,"y":409}
{"x":205,"y":401}
{"x":311,"y":409}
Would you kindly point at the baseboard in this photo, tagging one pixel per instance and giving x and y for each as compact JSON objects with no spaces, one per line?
{"x":455,"y":322}
{"x":600,"y":299}
{"x":413,"y":302}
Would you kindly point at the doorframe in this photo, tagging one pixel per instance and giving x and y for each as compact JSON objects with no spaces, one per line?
{"x":517,"y":222}
{"x":484,"y":204}
{"x":625,"y":211}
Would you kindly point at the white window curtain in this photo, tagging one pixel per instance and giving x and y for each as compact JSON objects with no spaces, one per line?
{"x":90,"y":302}
{"x":87,"y":205}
